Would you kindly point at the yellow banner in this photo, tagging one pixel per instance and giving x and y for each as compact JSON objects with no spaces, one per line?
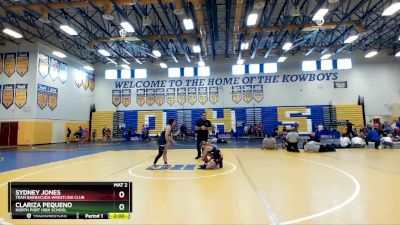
{"x":53,"y":96}
{"x":171,"y":96}
{"x":181,"y":95}
{"x":203,"y":95}
{"x":86,"y":81}
{"x":236,"y":94}
{"x":258,"y":93}
{"x":160,"y":96}
{"x":9,"y":64}
{"x":7,"y":97}
{"x":21,"y":95}
{"x":150,"y":96}
{"x":1,"y":62}
{"x":116,"y":97}
{"x":213,"y":95}
{"x":247,"y":93}
{"x":126,"y":97}
{"x":140,"y":96}
{"x":22,"y":63}
{"x":42,"y":96}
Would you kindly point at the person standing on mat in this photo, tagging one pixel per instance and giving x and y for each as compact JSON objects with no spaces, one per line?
{"x":164,"y":141}
{"x":202,"y":127}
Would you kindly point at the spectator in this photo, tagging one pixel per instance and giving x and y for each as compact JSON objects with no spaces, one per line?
{"x":184,"y":131}
{"x":386,"y":141}
{"x":68,"y":135}
{"x":345,"y":141}
{"x":292,"y":139}
{"x":357,"y":142}
{"x":374,"y":137}
{"x":269,"y":143}
{"x":104,"y":133}
{"x":349,"y":126}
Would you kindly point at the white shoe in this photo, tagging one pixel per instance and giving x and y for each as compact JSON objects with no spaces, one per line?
{"x":153,"y":167}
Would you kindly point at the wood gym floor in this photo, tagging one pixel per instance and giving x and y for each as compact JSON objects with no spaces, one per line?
{"x":357,"y":186}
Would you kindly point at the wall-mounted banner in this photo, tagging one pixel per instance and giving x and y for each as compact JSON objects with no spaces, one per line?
{"x":78,"y":81}
{"x":171,"y":96}
{"x":192,"y":95}
{"x":54,"y":69}
{"x":9,"y":63}
{"x":7,"y":97}
{"x":140,"y":96}
{"x":42,"y":96}
{"x":1,"y":62}
{"x":63,"y":72}
{"x":116,"y":97}
{"x":160,"y":96}
{"x":53,"y":96}
{"x":22,"y":63}
{"x":213,"y":95}
{"x":43,"y":65}
{"x":203,"y":95}
{"x":258,"y":93}
{"x":247,"y":93}
{"x":91,"y":82}
{"x":86,"y":81}
{"x":126,"y":97}
{"x":181,"y":92}
{"x":236,"y":94}
{"x":340,"y":84}
{"x":150,"y":96}
{"x":21,"y":95}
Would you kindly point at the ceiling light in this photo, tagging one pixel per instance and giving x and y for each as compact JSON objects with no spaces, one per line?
{"x":320,"y":14}
{"x":252,"y":19}
{"x":125,"y":66}
{"x":188,"y":24}
{"x":127,"y":26}
{"x":371,"y":54}
{"x":392,"y":9}
{"x":240,"y":61}
{"x":351,"y":39}
{"x":196,"y":48}
{"x":287,"y":46}
{"x":163,"y":65}
{"x":282,"y":59}
{"x":397,"y":54}
{"x":59,"y":54}
{"x":12,"y":33}
{"x":157,"y":53}
{"x":326,"y":56}
{"x":244,"y":46}
{"x":69,"y":30}
{"x":201,"y":63}
{"x":88,"y":68}
{"x":104,"y":52}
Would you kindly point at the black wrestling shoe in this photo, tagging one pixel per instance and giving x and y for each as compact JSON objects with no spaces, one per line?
{"x":198,"y":157}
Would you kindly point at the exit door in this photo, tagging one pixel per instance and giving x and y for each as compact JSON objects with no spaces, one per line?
{"x":8,"y":133}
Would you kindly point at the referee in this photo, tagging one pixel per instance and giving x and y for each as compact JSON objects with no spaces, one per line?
{"x":202,"y":127}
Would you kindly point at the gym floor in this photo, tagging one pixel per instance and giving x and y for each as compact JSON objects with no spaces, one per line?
{"x":355,"y":186}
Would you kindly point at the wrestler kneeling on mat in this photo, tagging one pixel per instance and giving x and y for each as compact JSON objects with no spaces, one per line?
{"x":212,"y":156}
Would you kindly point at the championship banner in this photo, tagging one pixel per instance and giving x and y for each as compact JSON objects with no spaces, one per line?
{"x":42,"y":96}
{"x":53,"y":96}
{"x":247,"y":93}
{"x":86,"y":81}
{"x":171,"y":96}
{"x":203,"y":95}
{"x":9,"y":63}
{"x":7,"y":97}
{"x":181,"y":95}
{"x":140,"y":96}
{"x":22,"y":63}
{"x":116,"y":97}
{"x":91,"y":82}
{"x":1,"y":62}
{"x":150,"y":96}
{"x":54,"y":69}
{"x":236,"y":94}
{"x":160,"y":96}
{"x":126,"y":97}
{"x":79,"y":81}
{"x":258,"y":91}
{"x":63,"y":72}
{"x":21,"y":95}
{"x":192,"y":95}
{"x":43,"y":65}
{"x":213,"y":95}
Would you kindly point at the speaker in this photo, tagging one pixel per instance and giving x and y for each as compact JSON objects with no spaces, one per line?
{"x":92,"y":108}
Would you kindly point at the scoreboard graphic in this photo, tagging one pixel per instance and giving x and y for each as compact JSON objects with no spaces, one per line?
{"x":70,"y":200}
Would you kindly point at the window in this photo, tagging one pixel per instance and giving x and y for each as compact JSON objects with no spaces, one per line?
{"x":188,"y":71}
{"x":126,"y":74}
{"x":174,"y":72}
{"x":344,"y":64}
{"x":326,"y":64}
{"x":270,"y":67}
{"x":254,"y":68}
{"x":309,"y":65}
{"x":203,"y":71}
{"x":238,"y":69}
{"x":111,"y":74}
{"x":140,"y":73}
